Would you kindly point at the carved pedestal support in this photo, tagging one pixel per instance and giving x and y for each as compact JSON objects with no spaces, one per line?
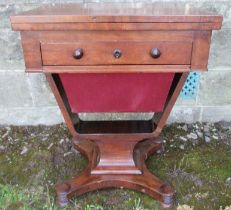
{"x":106,"y":170}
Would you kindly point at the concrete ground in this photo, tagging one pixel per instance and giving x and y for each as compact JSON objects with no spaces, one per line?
{"x":196,"y":162}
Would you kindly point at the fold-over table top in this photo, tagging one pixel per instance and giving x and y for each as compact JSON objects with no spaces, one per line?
{"x":163,"y":12}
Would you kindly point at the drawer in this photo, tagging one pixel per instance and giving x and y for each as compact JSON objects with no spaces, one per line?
{"x":117,"y":52}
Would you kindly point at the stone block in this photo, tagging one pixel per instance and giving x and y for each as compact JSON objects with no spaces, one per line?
{"x":10,"y":50}
{"x":14,"y":90}
{"x":184,"y":114}
{"x":40,"y":91}
{"x":215,"y":88}
{"x":222,"y":7}
{"x":4,"y":117}
{"x":186,"y":101}
{"x":38,"y":2}
{"x":220,"y":50}
{"x":31,"y":116}
{"x":216,"y":113}
{"x":8,"y":9}
{"x":116,"y":116}
{"x":25,"y":2}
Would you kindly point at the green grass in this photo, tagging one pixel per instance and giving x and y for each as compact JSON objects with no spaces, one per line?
{"x":12,"y":197}
{"x":198,"y":173}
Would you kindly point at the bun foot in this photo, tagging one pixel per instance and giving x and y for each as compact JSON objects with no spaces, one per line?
{"x":167,"y":196}
{"x":62,"y":190}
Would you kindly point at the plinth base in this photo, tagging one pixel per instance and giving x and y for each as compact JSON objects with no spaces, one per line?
{"x":137,"y":177}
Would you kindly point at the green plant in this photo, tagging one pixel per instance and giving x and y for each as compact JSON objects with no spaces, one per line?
{"x":11,"y":197}
{"x":94,"y":207}
{"x":50,"y":202}
{"x":138,"y":205}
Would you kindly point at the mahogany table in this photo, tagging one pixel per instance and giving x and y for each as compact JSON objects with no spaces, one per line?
{"x":116,"y":58}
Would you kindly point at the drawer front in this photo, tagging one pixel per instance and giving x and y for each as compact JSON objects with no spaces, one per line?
{"x":118,"y":52}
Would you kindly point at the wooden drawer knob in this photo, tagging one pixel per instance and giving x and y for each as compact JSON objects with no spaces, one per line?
{"x":155,"y":53}
{"x":117,"y":53}
{"x":78,"y":53}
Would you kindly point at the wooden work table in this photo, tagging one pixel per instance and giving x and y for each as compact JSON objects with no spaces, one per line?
{"x":105,"y":57}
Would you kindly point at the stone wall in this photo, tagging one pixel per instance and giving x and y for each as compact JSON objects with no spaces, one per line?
{"x":27,"y":99}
